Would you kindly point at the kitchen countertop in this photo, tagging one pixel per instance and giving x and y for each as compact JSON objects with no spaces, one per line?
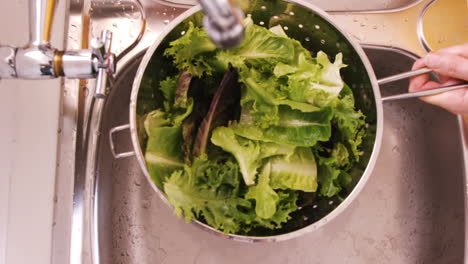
{"x":29,"y":114}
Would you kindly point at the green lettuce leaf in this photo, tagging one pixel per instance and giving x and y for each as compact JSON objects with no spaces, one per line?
{"x":296,"y":172}
{"x":266,"y":199}
{"x":248,"y":153}
{"x":350,"y":123}
{"x":341,"y":155}
{"x":294,"y":128}
{"x":191,"y":50}
{"x":260,"y":48}
{"x":168,"y":88}
{"x":209,"y":191}
{"x":313,"y":81}
{"x":328,"y":177}
{"x":164,"y":153}
{"x":245,"y":151}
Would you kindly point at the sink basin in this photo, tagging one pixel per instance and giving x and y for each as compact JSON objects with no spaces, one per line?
{"x":410,"y":211}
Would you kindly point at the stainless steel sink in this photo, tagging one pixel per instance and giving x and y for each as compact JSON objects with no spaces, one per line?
{"x":411,"y":210}
{"x":335,"y":6}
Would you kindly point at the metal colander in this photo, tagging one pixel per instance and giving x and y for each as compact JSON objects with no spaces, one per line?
{"x":315,"y":30}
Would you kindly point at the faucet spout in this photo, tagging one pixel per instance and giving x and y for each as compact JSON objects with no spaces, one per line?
{"x":223,"y":22}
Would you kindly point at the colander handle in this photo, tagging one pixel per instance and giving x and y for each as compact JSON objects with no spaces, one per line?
{"x":403,"y":75}
{"x":425,"y":92}
{"x":413,"y":73}
{"x":117,"y":155}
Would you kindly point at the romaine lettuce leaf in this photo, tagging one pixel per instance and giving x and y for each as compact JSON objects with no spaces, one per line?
{"x":248,"y":153}
{"x":293,"y":128}
{"x":314,"y":81}
{"x":164,"y":153}
{"x":296,"y":172}
{"x":245,"y":151}
{"x":260,"y":48}
{"x":266,"y":199}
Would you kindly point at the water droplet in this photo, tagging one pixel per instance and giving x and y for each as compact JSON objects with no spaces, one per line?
{"x":182,"y":33}
{"x":249,"y":15}
{"x":263,"y":7}
{"x":322,"y":41}
{"x":330,"y":202}
{"x":300,"y":26}
{"x":285,"y":28}
{"x":275,"y":17}
{"x":262,"y":23}
{"x":166,"y":21}
{"x":305,"y":218}
{"x":164,"y":14}
{"x":317,"y":27}
{"x":314,"y":206}
{"x":307,"y":39}
{"x":291,"y":13}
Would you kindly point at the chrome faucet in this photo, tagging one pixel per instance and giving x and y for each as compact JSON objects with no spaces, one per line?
{"x":39,"y":60}
{"x":223,"y":22}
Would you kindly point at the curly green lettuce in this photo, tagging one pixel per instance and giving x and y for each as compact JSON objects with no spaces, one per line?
{"x":295,"y":130}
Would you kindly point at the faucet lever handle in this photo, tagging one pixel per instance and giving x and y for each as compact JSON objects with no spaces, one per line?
{"x":103,"y":61}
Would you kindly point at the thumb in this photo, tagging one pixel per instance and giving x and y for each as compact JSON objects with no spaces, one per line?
{"x":449,"y":64}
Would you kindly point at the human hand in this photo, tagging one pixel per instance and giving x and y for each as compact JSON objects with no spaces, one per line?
{"x":451,"y":64}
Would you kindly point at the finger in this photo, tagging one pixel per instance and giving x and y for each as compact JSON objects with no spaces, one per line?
{"x":461,"y":50}
{"x":444,"y":78}
{"x":455,"y":101}
{"x":448,"y":64}
{"x":418,"y":81}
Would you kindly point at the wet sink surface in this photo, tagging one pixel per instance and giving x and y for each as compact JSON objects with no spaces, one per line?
{"x":350,"y":5}
{"x":410,"y":211}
